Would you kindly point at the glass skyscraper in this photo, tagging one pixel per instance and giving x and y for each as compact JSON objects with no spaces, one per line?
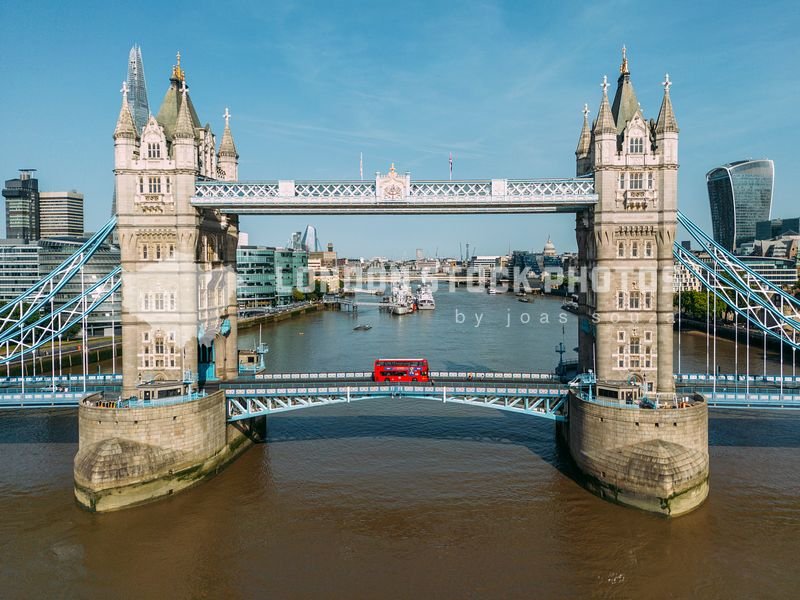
{"x":740,"y":195}
{"x":137,"y":89}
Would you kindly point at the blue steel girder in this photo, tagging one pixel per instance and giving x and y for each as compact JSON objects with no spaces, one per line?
{"x":20,"y":341}
{"x":752,"y":304}
{"x":548,"y":403}
{"x":39,"y":296}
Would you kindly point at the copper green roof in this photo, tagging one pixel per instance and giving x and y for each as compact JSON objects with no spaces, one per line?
{"x":625,"y":102}
{"x":168,"y":113}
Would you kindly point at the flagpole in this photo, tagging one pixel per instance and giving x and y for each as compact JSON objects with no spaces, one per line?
{"x":361,"y":165}
{"x":451,"y":166}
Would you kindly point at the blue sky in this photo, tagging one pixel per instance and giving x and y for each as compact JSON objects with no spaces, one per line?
{"x":312,"y":84}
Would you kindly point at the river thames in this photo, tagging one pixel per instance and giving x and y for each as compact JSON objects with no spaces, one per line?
{"x":409,"y":498}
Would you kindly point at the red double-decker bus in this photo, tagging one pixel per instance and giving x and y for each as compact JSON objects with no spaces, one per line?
{"x":401,"y":369}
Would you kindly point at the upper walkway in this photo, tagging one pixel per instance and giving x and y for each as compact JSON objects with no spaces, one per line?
{"x":397,"y":194}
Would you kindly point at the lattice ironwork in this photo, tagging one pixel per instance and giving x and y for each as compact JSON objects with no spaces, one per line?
{"x":438,"y":189}
{"x":236,"y":190}
{"x":334,"y":189}
{"x":762,"y":303}
{"x":567,"y":188}
{"x":23,"y":339}
{"x":542,"y":402}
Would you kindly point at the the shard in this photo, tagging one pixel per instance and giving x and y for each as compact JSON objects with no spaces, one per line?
{"x":137,"y":89}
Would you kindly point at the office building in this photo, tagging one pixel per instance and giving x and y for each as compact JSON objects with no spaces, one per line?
{"x":255,"y":276}
{"x":19,"y":268}
{"x":767,"y":230}
{"x":60,"y":214}
{"x":740,"y":195}
{"x":22,"y":206}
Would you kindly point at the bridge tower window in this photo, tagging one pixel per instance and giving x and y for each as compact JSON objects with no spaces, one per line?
{"x":650,"y":181}
{"x":634,"y":249}
{"x":636,"y":181}
{"x":154,"y":185}
{"x":620,"y":300}
{"x":648,"y":249}
{"x":648,"y":300}
{"x":636,"y":145}
{"x":620,"y":249}
{"x":153,"y":150}
{"x":633,"y":301}
{"x":622,"y":181}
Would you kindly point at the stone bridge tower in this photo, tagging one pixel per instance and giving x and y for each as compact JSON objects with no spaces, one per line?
{"x":625,"y":243}
{"x":651,"y":454}
{"x":178,"y":262}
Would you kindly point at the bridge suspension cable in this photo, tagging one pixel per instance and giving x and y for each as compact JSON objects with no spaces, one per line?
{"x":765,"y":305}
{"x":39,"y":296}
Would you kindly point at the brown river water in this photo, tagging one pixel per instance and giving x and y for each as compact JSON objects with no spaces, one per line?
{"x":411,"y":498}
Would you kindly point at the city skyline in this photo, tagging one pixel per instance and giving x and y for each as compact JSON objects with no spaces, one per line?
{"x":308,"y":97}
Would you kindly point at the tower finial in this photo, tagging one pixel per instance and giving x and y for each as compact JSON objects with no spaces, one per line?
{"x":604,"y":85}
{"x":623,"y":69}
{"x":183,"y":87}
{"x":585,"y":112}
{"x":177,"y":72}
{"x":227,"y":116}
{"x":124,"y":91}
{"x":666,"y":83}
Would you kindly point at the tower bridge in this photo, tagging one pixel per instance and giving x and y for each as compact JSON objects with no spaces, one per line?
{"x":178,"y":200}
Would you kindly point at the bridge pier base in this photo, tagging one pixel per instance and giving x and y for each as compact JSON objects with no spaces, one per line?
{"x":130,"y":456}
{"x":652,"y":459}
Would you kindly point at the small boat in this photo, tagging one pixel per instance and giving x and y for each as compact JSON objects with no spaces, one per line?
{"x":424,"y":298}
{"x":491,"y":291}
{"x":524,"y":299}
{"x":402,"y":300}
{"x":572,"y":307}
{"x":253,"y":361}
{"x":362,"y":327}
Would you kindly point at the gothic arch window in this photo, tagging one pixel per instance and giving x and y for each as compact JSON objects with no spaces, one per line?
{"x":648,"y":249}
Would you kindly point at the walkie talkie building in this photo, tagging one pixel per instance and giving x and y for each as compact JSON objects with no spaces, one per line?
{"x":740,"y":195}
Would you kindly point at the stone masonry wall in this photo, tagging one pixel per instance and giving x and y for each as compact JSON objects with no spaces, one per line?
{"x":594,"y":426}
{"x":196,"y":428}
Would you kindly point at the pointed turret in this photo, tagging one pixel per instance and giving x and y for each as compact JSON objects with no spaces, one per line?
{"x":625,"y":105}
{"x":184,"y":128}
{"x":584,"y":142}
{"x":666,"y":123}
{"x":605,"y":121}
{"x":125,"y":127}
{"x":226,"y":146}
{"x":228,"y":157}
